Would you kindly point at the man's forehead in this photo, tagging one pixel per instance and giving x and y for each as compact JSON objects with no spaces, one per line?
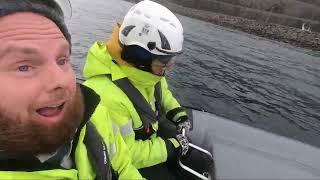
{"x":19,"y":30}
{"x":28,"y":26}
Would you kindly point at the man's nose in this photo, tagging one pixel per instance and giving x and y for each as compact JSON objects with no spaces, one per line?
{"x":56,"y":78}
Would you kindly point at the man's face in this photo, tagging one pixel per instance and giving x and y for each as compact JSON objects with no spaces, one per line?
{"x":38,"y":86}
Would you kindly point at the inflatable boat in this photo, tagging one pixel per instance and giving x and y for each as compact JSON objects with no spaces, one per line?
{"x":243,"y":152}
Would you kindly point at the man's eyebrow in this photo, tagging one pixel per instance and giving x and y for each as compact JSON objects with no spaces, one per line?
{"x":14,"y":48}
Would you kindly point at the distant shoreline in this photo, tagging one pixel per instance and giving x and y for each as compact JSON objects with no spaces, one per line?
{"x":294,"y":36}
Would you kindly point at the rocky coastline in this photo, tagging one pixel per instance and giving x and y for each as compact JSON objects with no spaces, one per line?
{"x":294,"y":36}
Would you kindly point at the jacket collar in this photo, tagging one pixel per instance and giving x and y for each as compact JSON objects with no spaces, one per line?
{"x":114,"y":48}
{"x":91,"y":100}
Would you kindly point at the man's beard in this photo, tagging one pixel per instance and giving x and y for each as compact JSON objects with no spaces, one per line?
{"x":29,"y":137}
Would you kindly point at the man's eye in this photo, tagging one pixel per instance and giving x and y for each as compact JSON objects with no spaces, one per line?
{"x":24,"y":68}
{"x":62,"y":61}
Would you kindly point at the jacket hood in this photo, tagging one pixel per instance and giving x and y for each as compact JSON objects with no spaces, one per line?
{"x":105,"y":59}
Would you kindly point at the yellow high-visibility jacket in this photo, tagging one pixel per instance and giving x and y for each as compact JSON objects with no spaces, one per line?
{"x":105,"y":60}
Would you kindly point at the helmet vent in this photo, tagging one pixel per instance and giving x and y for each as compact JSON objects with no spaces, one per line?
{"x":164,"y":41}
{"x":127,"y":30}
{"x":164,"y":19}
{"x":151,"y":45}
{"x":173,"y":25}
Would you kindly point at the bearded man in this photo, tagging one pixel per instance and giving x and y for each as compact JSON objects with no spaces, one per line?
{"x":47,"y":120}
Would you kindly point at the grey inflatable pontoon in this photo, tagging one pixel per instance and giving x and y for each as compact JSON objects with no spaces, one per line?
{"x":243,"y":152}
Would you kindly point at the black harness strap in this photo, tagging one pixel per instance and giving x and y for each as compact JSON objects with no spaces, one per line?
{"x":143,"y":134}
{"x":98,"y":155}
{"x":147,"y":115}
{"x":158,"y":97}
{"x":143,"y":108}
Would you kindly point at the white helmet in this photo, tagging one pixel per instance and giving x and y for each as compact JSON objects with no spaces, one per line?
{"x":152,"y":27}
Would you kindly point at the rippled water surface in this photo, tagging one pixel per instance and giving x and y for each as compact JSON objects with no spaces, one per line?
{"x":252,"y":80}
